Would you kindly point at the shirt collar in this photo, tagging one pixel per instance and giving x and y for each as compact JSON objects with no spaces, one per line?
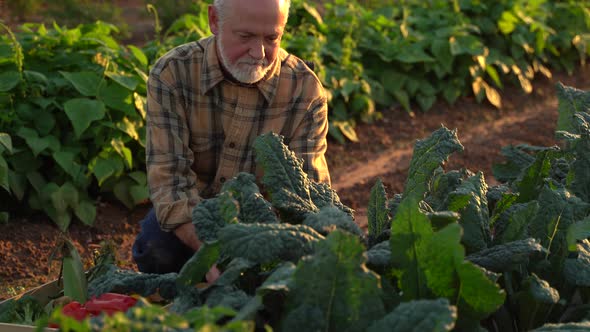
{"x":212,"y":73}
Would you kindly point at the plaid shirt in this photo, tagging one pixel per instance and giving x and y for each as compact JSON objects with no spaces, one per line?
{"x":201,"y":126}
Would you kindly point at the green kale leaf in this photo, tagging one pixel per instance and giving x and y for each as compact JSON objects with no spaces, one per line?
{"x":428,"y":155}
{"x":577,"y":270}
{"x":284,"y":178}
{"x":570,"y":101}
{"x":331,"y":218}
{"x":470,"y":200}
{"x":512,"y":223}
{"x":266,"y":243}
{"x":333,"y":290}
{"x":506,"y":257}
{"x":253,"y":208}
{"x":377,"y":213}
{"x":291,"y":192}
{"x":418,"y":315}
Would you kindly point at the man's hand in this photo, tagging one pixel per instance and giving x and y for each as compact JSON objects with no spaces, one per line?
{"x":188,"y":235}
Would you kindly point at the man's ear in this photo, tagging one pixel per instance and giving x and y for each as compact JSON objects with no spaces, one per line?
{"x":213,"y":19}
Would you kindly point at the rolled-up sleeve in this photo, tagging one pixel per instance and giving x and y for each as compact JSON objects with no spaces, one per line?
{"x":172,"y":182}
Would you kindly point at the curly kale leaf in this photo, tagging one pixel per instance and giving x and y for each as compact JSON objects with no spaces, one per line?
{"x":428,"y":155}
{"x":470,"y":200}
{"x":517,"y":158}
{"x":266,"y":243}
{"x":580,"y":183}
{"x":570,"y":101}
{"x":284,"y":178}
{"x":331,"y":218}
{"x":291,"y":192}
{"x":322,"y":195}
{"x":379,"y":256}
{"x":538,"y":294}
{"x":443,"y":184}
{"x":558,"y":209}
{"x":207,"y":219}
{"x":576,"y":232}
{"x":122,"y":281}
{"x":506,"y":257}
{"x":512,"y":223}
{"x":226,"y":296}
{"x":253,"y":207}
{"x":334,"y":289}
{"x":419,"y":315}
{"x":377,"y":213}
{"x":535,"y":176}
{"x":577,"y":270}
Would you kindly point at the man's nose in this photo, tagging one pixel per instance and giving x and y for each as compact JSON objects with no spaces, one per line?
{"x":257,"y":50}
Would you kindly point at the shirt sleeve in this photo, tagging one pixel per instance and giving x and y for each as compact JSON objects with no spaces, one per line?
{"x":309,"y":141}
{"x":171,"y":180}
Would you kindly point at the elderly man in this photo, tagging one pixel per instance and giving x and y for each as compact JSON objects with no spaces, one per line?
{"x":207,"y":102}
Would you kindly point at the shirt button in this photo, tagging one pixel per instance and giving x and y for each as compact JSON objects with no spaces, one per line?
{"x":232,"y":145}
{"x":222,"y":179}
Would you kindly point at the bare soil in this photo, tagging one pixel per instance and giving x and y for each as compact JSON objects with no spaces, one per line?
{"x":384,"y":151}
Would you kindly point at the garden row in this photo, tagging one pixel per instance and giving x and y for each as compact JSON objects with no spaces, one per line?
{"x":449,"y":253}
{"x":72,"y":100}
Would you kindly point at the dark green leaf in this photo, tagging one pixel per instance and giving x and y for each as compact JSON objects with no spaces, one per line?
{"x":329,"y":219}
{"x":4,"y":174}
{"x":570,"y":100}
{"x":265,"y":243}
{"x":474,"y":215}
{"x":6,"y":141}
{"x":82,"y":112}
{"x":87,"y":83}
{"x":506,"y":257}
{"x":377,"y":213}
{"x":8,"y":80}
{"x":124,"y":80}
{"x":428,"y":155}
{"x":284,"y":178}
{"x":409,"y":228}
{"x":418,"y":315}
{"x":335,"y":287}
{"x":195,"y":269}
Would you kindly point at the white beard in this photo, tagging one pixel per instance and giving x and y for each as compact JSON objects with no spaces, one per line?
{"x":246,"y":69}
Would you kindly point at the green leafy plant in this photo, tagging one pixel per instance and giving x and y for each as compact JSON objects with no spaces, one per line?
{"x":72,"y":103}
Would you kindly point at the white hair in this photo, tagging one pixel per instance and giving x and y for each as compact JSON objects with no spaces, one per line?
{"x":221,"y":8}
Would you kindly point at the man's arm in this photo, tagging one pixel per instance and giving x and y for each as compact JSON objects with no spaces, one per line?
{"x":171,"y":179}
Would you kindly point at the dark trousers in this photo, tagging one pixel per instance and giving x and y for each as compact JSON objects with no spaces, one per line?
{"x":156,"y":251}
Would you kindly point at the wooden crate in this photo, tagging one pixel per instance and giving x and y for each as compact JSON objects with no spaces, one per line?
{"x":43,"y":294}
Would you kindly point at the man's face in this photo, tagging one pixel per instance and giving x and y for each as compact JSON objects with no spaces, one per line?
{"x":249,"y":37}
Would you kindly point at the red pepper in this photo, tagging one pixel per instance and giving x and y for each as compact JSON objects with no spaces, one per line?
{"x":109,"y":303}
{"x":75,"y":310}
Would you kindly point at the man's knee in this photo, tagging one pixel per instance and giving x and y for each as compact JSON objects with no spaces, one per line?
{"x":156,"y":251}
